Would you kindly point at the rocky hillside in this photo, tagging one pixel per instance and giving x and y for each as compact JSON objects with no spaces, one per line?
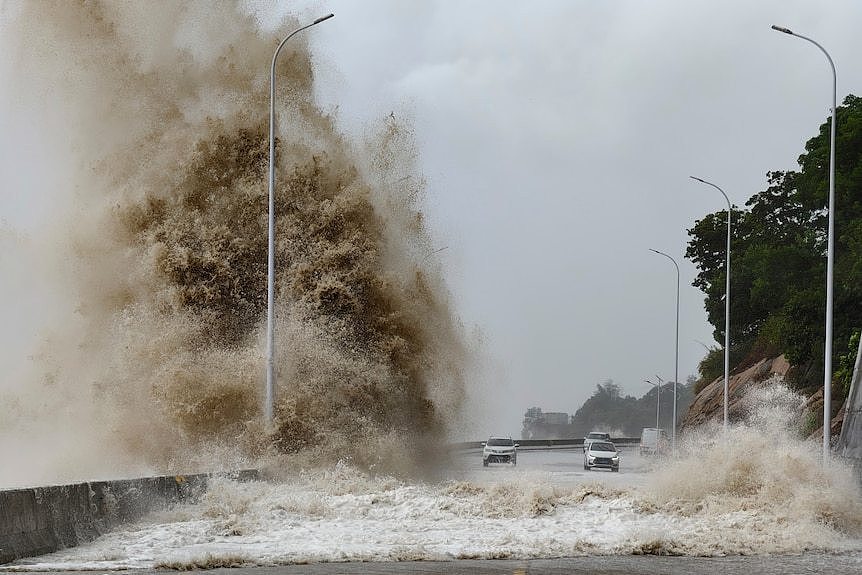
{"x":708,"y":404}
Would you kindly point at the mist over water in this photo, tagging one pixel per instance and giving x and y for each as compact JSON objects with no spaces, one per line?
{"x":156,"y":362}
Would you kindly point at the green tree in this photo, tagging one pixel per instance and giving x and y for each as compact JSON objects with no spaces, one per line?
{"x":779,"y":247}
{"x":608,"y":410}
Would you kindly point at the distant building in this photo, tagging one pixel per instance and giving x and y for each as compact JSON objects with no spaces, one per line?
{"x":546,"y":425}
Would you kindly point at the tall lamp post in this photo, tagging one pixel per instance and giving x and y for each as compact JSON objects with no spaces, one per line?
{"x":676,"y":352}
{"x":726,"y":302}
{"x":657,"y":395}
{"x":270,"y":291}
{"x":830,"y":254}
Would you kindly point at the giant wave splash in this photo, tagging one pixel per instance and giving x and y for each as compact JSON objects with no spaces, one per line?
{"x":155,"y":364}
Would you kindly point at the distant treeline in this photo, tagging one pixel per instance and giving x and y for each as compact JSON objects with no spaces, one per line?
{"x":608,"y":410}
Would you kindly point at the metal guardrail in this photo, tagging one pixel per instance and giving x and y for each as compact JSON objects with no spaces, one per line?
{"x":545,"y":443}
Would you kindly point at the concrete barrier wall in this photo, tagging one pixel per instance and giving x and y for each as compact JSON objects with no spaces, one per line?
{"x":44,"y":519}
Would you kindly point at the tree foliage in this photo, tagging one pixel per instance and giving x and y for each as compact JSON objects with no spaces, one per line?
{"x":608,"y":410}
{"x":779,"y":242}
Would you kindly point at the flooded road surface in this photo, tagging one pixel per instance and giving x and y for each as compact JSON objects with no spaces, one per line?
{"x":563,"y":466}
{"x":545,"y":508}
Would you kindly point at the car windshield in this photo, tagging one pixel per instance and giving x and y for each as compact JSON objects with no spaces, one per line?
{"x":600,"y":446}
{"x":501,"y":442}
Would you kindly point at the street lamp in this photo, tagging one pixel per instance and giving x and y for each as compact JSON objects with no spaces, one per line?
{"x":657,"y":395}
{"x":676,"y":356}
{"x":726,"y":301}
{"x":270,"y":291}
{"x":830,"y":254}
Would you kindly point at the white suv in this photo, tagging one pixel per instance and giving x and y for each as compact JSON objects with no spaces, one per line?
{"x":499,"y":450}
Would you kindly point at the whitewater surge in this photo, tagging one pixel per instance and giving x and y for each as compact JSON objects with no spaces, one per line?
{"x":761,"y":490}
{"x":386,"y":520}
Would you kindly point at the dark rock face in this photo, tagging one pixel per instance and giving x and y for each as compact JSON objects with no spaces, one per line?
{"x":813,"y":409}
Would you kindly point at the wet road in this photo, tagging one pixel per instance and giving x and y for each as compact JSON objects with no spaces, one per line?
{"x":564,"y":466}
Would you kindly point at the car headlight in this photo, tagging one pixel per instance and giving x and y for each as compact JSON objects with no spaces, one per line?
{"x":615,"y":458}
{"x":591,"y":458}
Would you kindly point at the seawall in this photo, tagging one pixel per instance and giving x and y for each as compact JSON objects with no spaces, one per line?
{"x":41,"y":520}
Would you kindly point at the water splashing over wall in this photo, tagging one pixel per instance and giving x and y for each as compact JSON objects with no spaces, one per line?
{"x":164,"y":109}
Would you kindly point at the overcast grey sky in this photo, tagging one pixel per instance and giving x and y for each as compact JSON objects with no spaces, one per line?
{"x":557,"y":139}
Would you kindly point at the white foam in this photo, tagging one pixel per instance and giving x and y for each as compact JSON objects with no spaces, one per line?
{"x":757,"y":490}
{"x":523,"y":516}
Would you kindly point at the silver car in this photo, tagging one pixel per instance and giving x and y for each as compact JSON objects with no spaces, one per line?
{"x":499,"y":450}
{"x":601,"y":454}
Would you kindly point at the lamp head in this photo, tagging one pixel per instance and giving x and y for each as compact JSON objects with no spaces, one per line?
{"x":780,"y":29}
{"x":322,"y":18}
{"x":696,"y":178}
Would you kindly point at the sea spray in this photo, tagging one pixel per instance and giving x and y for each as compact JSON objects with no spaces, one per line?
{"x":764,"y":478}
{"x":164,"y":108}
